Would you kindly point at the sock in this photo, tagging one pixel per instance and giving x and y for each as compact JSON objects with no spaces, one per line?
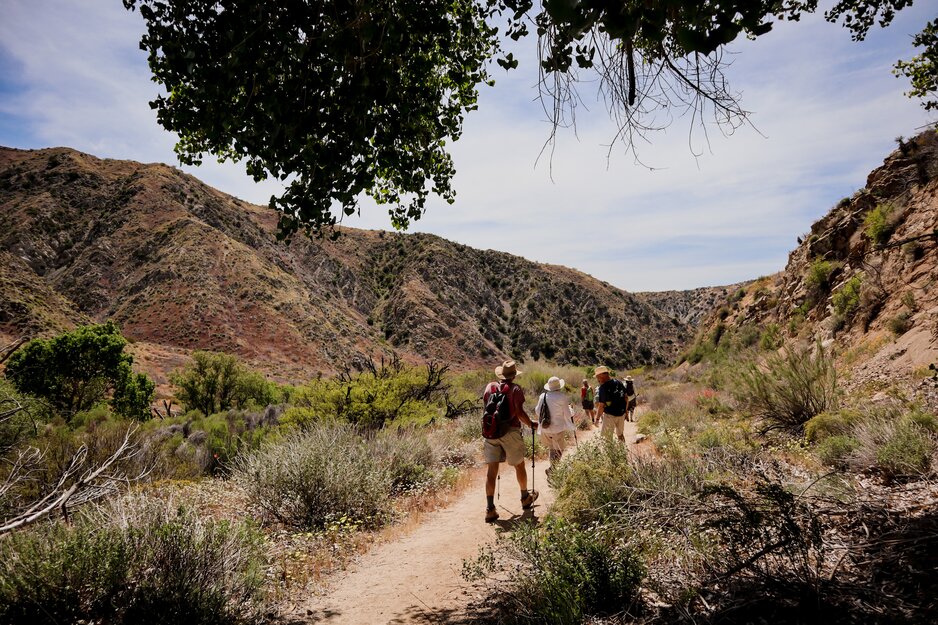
{"x":490,"y":500}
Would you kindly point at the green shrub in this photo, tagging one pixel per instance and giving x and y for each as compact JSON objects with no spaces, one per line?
{"x":829,"y":424}
{"x":771,"y":337}
{"x":407,"y":456}
{"x":818,"y":279}
{"x":836,"y":449}
{"x":879,"y":224}
{"x":586,"y":482}
{"x":925,"y":420}
{"x":569,"y":573}
{"x":143,"y":562}
{"x":312,"y":477}
{"x":789,"y":389}
{"x":388,"y":394}
{"x":901,"y":323}
{"x":906,"y":452}
{"x":847,"y":299}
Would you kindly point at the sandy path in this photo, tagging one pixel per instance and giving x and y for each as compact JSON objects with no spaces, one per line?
{"x":417,"y":578}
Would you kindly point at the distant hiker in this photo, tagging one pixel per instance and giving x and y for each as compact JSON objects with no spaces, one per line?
{"x":505,"y":444}
{"x":610,"y":404}
{"x":586,"y":401}
{"x":555,"y":418}
{"x":631,"y":399}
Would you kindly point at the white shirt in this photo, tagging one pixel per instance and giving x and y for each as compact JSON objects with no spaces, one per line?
{"x":561,"y":412}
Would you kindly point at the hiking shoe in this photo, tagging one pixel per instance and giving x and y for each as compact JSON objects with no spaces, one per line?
{"x":527,"y":502}
{"x":491,"y":514}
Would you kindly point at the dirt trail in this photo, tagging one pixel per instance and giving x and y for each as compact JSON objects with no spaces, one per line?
{"x":417,"y":578}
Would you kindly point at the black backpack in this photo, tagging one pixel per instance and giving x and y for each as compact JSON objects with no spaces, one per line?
{"x":543,"y":415}
{"x":496,"y":418}
{"x":616,"y":396}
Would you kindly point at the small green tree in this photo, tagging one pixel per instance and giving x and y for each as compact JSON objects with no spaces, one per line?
{"x":76,"y":370}
{"x":215,"y":381}
{"x":133,"y":393}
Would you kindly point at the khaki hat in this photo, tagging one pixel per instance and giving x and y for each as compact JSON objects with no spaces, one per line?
{"x":600,"y":370}
{"x":507,"y":370}
{"x":554,"y":384}
{"x":628,"y":378}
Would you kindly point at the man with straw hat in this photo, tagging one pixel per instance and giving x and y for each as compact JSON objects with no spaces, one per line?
{"x":510,"y":447}
{"x":610,"y":404}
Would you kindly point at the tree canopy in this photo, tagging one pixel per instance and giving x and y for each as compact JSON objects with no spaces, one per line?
{"x":339,"y":98}
{"x":75,"y":370}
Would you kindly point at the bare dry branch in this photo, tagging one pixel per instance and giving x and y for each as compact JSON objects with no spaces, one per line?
{"x":76,"y":485}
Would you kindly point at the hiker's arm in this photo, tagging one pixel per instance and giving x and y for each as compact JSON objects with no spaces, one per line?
{"x":600,"y":409}
{"x":517,"y":399}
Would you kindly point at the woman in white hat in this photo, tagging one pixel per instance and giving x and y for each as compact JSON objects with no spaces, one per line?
{"x":560,"y":420}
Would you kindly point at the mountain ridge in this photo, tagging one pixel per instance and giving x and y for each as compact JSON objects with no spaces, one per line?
{"x":181,"y":266}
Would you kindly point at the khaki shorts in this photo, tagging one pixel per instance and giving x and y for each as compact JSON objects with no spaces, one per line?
{"x":556,"y":441}
{"x":509,"y":448}
{"x":611,"y":423}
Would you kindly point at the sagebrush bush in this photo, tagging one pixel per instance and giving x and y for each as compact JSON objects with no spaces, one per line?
{"x":407,"y":456}
{"x":602,"y":480}
{"x":313,"y":476}
{"x":141,"y":562}
{"x":789,"y":389}
{"x":895,"y":446}
{"x":906,"y":452}
{"x":569,"y":573}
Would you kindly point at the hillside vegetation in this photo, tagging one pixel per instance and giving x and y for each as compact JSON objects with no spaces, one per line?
{"x":181,"y":266}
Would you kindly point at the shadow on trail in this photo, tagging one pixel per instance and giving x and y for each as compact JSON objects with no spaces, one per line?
{"x":317,"y":616}
{"x":528,"y":517}
{"x":474,"y":615}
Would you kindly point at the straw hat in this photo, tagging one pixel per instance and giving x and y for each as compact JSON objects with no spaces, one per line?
{"x":600,"y":370}
{"x":554,"y":384}
{"x":628,"y":378}
{"x":507,"y":370}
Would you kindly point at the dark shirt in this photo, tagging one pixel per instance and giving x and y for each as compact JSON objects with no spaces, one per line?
{"x":607,"y":390}
{"x":516,"y":396}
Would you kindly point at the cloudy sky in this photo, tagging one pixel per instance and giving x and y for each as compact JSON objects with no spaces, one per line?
{"x":826,"y":111}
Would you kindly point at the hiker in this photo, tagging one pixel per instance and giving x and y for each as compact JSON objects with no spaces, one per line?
{"x":610,"y":404}
{"x":631,"y":399}
{"x":509,"y":447}
{"x":555,"y":418}
{"x":586,"y":401}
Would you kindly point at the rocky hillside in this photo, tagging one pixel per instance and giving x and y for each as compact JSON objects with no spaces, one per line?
{"x":865,"y":278}
{"x":181,"y":266}
{"x":692,"y":306}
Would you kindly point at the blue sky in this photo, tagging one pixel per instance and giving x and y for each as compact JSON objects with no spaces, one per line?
{"x":826,"y":110}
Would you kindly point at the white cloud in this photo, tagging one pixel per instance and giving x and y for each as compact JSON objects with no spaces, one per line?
{"x":828,"y":109}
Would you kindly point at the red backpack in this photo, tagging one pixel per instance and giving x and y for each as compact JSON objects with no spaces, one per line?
{"x":496,"y":418}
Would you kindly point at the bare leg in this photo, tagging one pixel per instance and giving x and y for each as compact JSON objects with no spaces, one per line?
{"x":522,"y":475}
{"x":490,"y":476}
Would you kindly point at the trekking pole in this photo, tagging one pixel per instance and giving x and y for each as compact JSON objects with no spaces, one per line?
{"x":574,"y":432}
{"x":533,"y":453}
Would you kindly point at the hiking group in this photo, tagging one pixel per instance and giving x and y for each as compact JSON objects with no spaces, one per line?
{"x":612,"y":404}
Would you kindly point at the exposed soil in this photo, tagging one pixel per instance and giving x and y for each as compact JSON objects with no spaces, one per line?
{"x":417,"y":578}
